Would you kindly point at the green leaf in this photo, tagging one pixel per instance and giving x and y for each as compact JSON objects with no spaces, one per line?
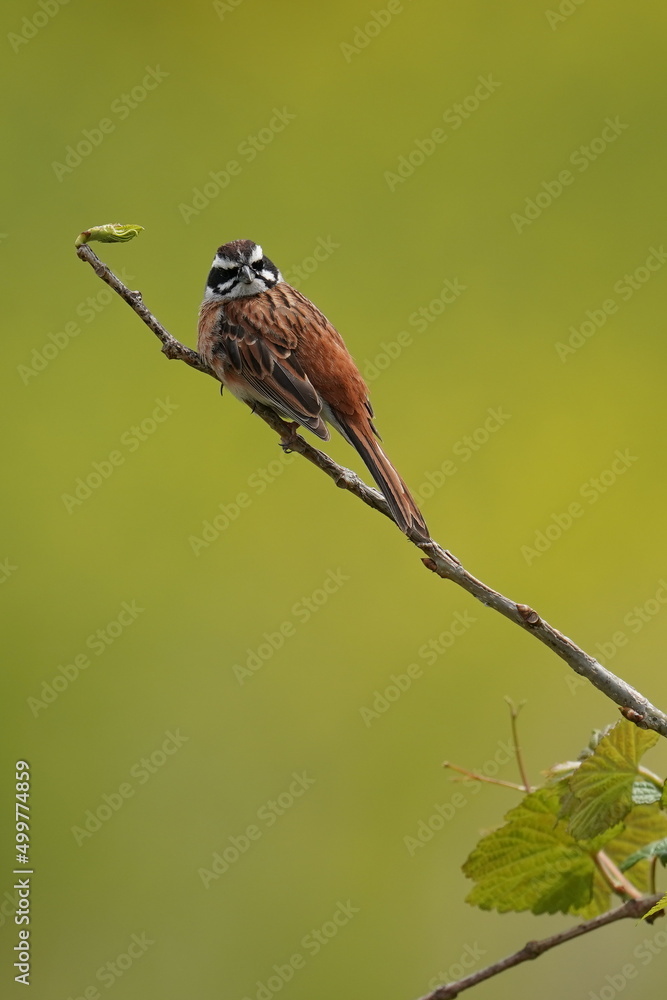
{"x":112,"y":232}
{"x":599,"y":902}
{"x":645,"y":792}
{"x":643,"y":823}
{"x":656,"y":849}
{"x":660,"y":905}
{"x":663,"y":801}
{"x":601,"y":788}
{"x":532,"y":862}
{"x":643,"y":826}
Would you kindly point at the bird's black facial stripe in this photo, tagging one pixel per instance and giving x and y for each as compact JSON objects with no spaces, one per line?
{"x":224,"y":278}
{"x":266,"y":269}
{"x":221,"y":277}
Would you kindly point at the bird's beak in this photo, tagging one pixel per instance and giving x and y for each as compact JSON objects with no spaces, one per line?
{"x":247,"y":275}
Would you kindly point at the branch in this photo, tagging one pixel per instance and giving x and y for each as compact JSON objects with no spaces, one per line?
{"x":633,"y":705}
{"x":474,"y":776}
{"x":634,"y":908}
{"x":170,"y":346}
{"x":514,"y":715}
{"x":614,"y":877}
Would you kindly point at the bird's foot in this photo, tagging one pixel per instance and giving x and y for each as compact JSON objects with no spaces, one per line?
{"x":288,"y":438}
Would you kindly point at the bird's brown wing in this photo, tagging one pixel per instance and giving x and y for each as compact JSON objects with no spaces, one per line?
{"x":261,"y":356}
{"x":286,"y":325}
{"x":292,"y":322}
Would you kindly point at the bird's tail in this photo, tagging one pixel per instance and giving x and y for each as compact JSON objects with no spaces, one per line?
{"x":405,"y":511}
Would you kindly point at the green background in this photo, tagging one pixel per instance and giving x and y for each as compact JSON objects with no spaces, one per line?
{"x":321,"y":178}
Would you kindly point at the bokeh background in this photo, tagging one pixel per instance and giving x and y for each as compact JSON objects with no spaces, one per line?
{"x":322,"y":107}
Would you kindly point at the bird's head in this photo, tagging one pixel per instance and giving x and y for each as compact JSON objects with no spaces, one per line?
{"x":240,"y":269}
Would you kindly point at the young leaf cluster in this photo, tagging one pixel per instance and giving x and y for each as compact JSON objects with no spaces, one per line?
{"x":592,"y":832}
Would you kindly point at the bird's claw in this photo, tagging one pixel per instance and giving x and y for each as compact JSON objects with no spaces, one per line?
{"x":289,"y":438}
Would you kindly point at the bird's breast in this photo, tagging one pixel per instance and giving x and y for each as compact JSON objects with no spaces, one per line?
{"x":207,"y":327}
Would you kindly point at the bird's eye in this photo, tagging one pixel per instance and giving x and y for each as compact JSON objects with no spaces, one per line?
{"x":259,"y":265}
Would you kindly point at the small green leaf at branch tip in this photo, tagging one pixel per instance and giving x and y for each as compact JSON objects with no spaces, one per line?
{"x":113,"y":232}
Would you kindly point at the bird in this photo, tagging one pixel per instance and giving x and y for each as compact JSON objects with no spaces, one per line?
{"x":268,"y":343}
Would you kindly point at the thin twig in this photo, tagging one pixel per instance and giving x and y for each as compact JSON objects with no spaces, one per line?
{"x":482,"y":777}
{"x":514,"y":714}
{"x":633,"y":909}
{"x":650,"y":776}
{"x":633,"y":705}
{"x":652,"y":872}
{"x":614,"y":877}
